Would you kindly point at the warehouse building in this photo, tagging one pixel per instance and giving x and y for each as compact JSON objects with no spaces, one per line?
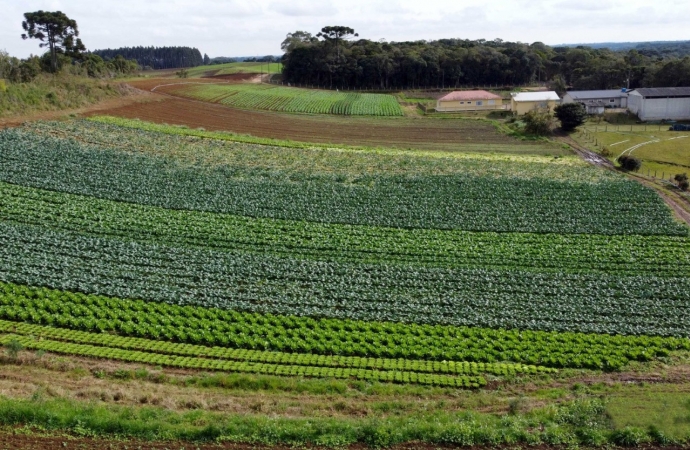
{"x":596,"y":102}
{"x":524,"y":102}
{"x":660,"y":103}
{"x":469,"y":101}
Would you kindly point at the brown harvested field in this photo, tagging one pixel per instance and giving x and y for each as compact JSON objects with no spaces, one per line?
{"x":417,"y":133}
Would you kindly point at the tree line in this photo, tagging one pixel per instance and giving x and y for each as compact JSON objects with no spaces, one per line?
{"x":336,"y":57}
{"x":158,"y":57}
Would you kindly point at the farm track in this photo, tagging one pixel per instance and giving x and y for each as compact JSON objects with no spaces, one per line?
{"x":418,"y":133}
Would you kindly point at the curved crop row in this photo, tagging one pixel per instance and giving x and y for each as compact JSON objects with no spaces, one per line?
{"x":286,"y":99}
{"x":440,"y":202}
{"x":221,"y":353}
{"x":257,"y":157}
{"x":280,"y":285}
{"x":187,"y":362}
{"x":631,"y":255}
{"x":215,"y":327}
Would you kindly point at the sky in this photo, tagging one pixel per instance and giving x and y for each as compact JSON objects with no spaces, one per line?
{"x":256,"y":28}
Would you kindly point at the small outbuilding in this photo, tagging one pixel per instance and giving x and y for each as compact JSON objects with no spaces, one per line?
{"x":469,"y":101}
{"x":660,"y":103}
{"x":596,"y":102}
{"x":523,"y":102}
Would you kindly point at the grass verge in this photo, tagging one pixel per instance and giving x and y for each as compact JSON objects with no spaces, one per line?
{"x":53,"y":93}
{"x":582,"y":422}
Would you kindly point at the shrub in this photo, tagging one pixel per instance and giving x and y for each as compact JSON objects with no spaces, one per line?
{"x":571,"y":115}
{"x":13,"y":348}
{"x":682,"y":181}
{"x":629,"y":163}
{"x":630,"y":437}
{"x":538,"y":123}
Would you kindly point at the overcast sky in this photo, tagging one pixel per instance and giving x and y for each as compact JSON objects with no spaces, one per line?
{"x":246,"y":28}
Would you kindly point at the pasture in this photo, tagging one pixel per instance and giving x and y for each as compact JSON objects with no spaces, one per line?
{"x":221,"y":69}
{"x":661,"y":151}
{"x":385,"y":295}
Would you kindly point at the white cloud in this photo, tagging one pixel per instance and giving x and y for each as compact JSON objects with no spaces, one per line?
{"x":304,"y":8}
{"x":245,"y":27}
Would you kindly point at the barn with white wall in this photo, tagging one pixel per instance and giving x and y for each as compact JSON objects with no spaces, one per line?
{"x":660,"y":103}
{"x":597,"y":102}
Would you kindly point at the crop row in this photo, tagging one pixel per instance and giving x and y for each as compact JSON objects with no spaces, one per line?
{"x":632,"y":255}
{"x":187,"y":362}
{"x":440,"y":202}
{"x":280,"y":285}
{"x":284,"y":99}
{"x":259,"y":157}
{"x":217,"y":327}
{"x":220,"y":353}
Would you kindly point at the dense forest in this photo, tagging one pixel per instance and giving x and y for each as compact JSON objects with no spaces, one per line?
{"x":336,"y":57}
{"x":157,"y":57}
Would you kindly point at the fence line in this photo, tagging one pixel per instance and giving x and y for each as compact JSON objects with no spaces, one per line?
{"x":630,"y":128}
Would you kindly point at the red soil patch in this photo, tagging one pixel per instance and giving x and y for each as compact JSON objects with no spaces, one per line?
{"x":375,"y":132}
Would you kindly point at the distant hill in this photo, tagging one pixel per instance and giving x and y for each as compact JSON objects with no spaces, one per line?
{"x":651,"y":48}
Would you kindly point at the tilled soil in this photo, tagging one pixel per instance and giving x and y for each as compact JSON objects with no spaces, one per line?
{"x":9,"y":440}
{"x":400,"y":133}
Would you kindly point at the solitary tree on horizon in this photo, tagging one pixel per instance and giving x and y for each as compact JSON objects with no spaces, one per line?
{"x":337,"y":34}
{"x":56,"y":31}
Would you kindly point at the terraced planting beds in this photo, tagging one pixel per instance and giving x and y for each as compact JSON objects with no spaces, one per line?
{"x":145,"y":244}
{"x":286,"y":99}
{"x":397,"y":132}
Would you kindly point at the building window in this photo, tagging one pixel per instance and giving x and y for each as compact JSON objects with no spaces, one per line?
{"x":480,"y":103}
{"x":613,"y":100}
{"x":492,"y":102}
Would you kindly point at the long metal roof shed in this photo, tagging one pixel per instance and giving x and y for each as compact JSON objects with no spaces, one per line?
{"x":668,"y":92}
{"x":589,"y":95}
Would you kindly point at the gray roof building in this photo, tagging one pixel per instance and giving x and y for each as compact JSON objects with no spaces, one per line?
{"x":671,"y":103}
{"x":672,"y":92}
{"x":597,"y":101}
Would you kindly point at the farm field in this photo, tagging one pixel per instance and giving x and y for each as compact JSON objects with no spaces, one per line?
{"x":240,"y":67}
{"x":220,"y":70}
{"x":221,"y":288}
{"x":288,"y":99}
{"x":395,"y":132}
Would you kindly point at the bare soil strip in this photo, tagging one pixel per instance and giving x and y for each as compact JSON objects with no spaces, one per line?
{"x":400,"y":133}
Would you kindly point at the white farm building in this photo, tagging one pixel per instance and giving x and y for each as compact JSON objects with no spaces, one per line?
{"x":660,"y":103}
